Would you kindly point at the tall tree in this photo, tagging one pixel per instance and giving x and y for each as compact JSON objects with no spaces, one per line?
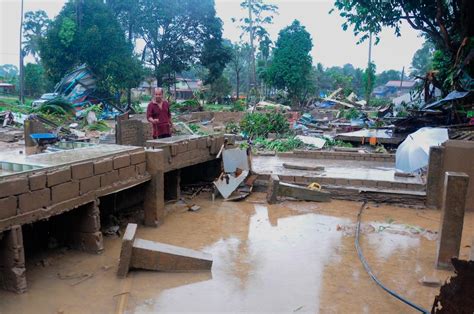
{"x":448,"y":24}
{"x":238,"y":63}
{"x":291,"y":64}
{"x":422,"y":60}
{"x":36,"y":82}
{"x":34,"y":28}
{"x":369,"y":81}
{"x":180,"y":33}
{"x":87,"y":32}
{"x":260,"y":14}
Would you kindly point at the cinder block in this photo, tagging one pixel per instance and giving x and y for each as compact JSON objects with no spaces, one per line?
{"x":182,"y":147}
{"x":34,"y":200}
{"x":141,"y":168}
{"x":137,"y":158}
{"x":8,"y":207}
{"x":174,"y":149}
{"x":59,"y":176}
{"x":341,"y":181}
{"x":127,"y":173}
{"x":192,"y":144}
{"x":88,"y":241}
{"x":14,"y":186}
{"x":82,"y":170}
{"x":384,"y":184}
{"x":202,"y":143}
{"x":109,"y":178}
{"x":12,"y":261}
{"x":64,"y":191}
{"x":103,"y":166}
{"x":121,"y":161}
{"x":37,"y":181}
{"x":89,"y":184}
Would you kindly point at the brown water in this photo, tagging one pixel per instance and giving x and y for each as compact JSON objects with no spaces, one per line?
{"x":289,"y":257}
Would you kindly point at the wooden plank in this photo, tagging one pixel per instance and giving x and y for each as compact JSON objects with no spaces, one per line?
{"x":302,"y":167}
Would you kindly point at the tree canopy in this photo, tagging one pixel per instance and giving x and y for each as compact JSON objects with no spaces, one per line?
{"x":88,"y":32}
{"x":290,"y":68}
{"x":448,"y":24}
{"x":34,"y":28}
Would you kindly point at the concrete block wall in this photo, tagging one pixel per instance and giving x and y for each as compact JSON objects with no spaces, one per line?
{"x":189,"y":152}
{"x":358,"y":183}
{"x":25,"y":195}
{"x":321,"y":154}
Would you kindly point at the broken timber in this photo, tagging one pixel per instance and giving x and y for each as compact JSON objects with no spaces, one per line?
{"x":150,"y":255}
{"x":300,"y":167}
{"x":277,"y":188}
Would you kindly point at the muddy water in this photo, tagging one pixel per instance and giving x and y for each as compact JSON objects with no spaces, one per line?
{"x":293,"y":256}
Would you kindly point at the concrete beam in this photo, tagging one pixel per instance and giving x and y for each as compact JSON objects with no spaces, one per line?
{"x":452,"y":218}
{"x":150,"y":255}
{"x":154,"y":204}
{"x":277,"y":188}
{"x":435,"y":177}
{"x":12,"y":261}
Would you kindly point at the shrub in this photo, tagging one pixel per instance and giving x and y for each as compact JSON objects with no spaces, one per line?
{"x":259,"y":124}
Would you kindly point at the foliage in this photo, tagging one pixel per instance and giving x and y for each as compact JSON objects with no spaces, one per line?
{"x":259,"y":124}
{"x":238,"y":105}
{"x":36,"y":82}
{"x":331,"y":142}
{"x":232,"y":128}
{"x":187,"y":105}
{"x":58,"y":107}
{"x":291,"y":65}
{"x":259,"y":15}
{"x":279,"y":145}
{"x":101,"y":126}
{"x":137,"y":108}
{"x":238,"y":65}
{"x":422,"y":60}
{"x":389,"y":75}
{"x":352,"y":113}
{"x":34,"y":28}
{"x":369,"y":80}
{"x":219,"y":90}
{"x":94,"y":37}
{"x":180,"y":33}
{"x":447,"y":24}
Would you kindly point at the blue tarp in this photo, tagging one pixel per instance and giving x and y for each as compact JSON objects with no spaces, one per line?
{"x":451,"y":96}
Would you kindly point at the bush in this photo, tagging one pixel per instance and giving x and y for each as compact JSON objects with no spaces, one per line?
{"x":279,"y":145}
{"x":259,"y":124}
{"x":57,"y":106}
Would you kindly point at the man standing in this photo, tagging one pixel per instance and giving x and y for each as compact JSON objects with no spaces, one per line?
{"x":158,"y":114}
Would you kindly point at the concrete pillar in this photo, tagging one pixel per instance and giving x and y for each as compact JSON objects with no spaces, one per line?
{"x":172,"y":185}
{"x":31,"y":127}
{"x":471,"y":257}
{"x":154,"y":204}
{"x":435,"y":177}
{"x":12,"y":261}
{"x":85,"y":229}
{"x":452,"y":218}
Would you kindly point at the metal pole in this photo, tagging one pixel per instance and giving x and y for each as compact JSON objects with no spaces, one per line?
{"x":22,"y":81}
{"x":369,"y":62}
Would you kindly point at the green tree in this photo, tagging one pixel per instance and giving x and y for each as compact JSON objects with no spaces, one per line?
{"x":219,"y":89}
{"x":448,"y":24}
{"x":259,"y":15}
{"x":36,"y":82}
{"x":179,"y":34}
{"x":389,"y":75}
{"x":34,"y":28}
{"x":291,"y":64}
{"x":87,"y":32}
{"x":422,"y":60}
{"x":369,"y":81}
{"x":238,"y":64}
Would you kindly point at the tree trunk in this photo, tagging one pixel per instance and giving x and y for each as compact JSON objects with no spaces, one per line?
{"x":237,"y":88}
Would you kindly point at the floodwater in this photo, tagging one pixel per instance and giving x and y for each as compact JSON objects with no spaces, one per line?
{"x":292,"y":257}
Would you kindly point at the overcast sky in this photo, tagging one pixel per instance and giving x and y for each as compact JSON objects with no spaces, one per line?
{"x":332,"y":46}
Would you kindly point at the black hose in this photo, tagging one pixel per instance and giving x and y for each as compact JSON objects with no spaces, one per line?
{"x":371,"y":274}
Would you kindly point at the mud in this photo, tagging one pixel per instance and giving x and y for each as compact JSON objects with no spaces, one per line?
{"x":288,"y":257}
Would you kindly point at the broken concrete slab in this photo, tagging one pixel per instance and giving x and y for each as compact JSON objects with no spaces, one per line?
{"x":150,"y":255}
{"x":282,"y":189}
{"x":228,"y":183}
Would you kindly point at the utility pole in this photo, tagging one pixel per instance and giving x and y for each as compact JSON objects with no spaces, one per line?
{"x":22,"y":70}
{"x":252,"y":54}
{"x":369,"y":69}
{"x":401,"y":78}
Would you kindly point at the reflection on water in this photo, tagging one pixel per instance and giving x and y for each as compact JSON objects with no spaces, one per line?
{"x":276,"y":268}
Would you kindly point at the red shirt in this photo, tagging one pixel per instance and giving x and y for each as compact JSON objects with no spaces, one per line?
{"x":163,"y":115}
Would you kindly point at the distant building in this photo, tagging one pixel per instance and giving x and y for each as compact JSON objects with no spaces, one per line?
{"x":7,"y":88}
{"x":183,"y":89}
{"x":393,"y":89}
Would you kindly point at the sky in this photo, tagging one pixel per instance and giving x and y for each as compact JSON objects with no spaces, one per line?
{"x":331,"y":45}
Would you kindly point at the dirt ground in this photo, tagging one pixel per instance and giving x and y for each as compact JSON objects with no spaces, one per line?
{"x":290,"y":257}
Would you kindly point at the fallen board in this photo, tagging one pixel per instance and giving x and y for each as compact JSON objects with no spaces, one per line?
{"x":301,"y":167}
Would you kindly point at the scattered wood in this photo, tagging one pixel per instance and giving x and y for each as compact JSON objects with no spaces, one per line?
{"x":301,"y":167}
